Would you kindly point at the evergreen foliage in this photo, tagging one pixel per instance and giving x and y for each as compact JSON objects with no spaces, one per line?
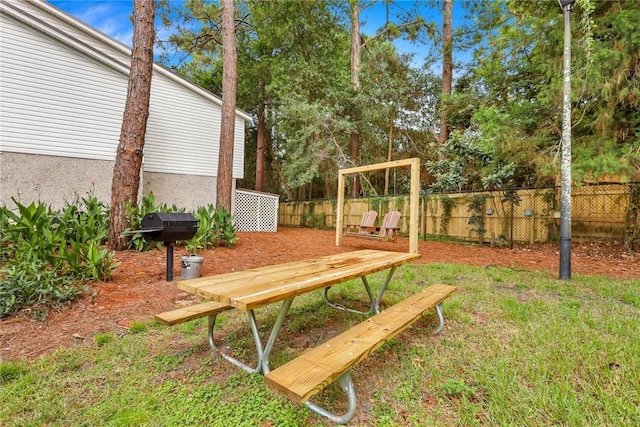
{"x":506,"y":100}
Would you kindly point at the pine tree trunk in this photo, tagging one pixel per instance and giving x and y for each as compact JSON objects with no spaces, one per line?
{"x":126,"y":171}
{"x":277,"y":168}
{"x":269,"y":175}
{"x":229,"y":80}
{"x":389,"y":151}
{"x":447,"y":69}
{"x":260,"y":145}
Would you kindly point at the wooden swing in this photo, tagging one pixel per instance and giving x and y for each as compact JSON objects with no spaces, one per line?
{"x":391,"y":230}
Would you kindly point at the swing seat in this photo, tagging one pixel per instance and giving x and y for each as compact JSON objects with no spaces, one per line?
{"x":366,"y":226}
{"x":387,"y":232}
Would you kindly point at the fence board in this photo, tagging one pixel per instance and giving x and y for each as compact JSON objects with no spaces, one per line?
{"x":598,"y":212}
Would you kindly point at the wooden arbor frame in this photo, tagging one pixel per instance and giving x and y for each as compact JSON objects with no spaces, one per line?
{"x":414,"y":196}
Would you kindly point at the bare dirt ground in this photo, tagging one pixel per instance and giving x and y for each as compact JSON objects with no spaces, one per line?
{"x":139,"y":288}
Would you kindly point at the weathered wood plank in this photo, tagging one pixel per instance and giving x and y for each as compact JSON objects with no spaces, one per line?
{"x":191,"y":312}
{"x":312,"y":371}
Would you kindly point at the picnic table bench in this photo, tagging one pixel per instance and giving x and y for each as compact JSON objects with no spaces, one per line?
{"x":184,"y":314}
{"x":250,"y":289}
{"x":311,"y":372}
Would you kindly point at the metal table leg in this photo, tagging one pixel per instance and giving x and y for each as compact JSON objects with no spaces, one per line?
{"x":266,"y":351}
{"x":440,"y":319}
{"x":263,"y":352}
{"x":375,"y":303}
{"x":237,"y":362}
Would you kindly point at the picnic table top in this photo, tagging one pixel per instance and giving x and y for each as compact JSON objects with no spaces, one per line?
{"x":257,"y":287}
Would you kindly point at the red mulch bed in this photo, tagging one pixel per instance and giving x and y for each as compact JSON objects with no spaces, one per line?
{"x":139,"y":288}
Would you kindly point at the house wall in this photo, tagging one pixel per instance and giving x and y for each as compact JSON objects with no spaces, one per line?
{"x":183,"y":131}
{"x":59,"y":24}
{"x":55,"y":100}
{"x":63,"y":89}
{"x":53,"y":180}
{"x":187,"y":191}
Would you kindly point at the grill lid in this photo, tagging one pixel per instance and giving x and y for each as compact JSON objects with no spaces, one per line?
{"x":169,"y":226}
{"x":161,"y":220}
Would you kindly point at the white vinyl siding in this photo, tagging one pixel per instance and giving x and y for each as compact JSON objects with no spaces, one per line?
{"x":62,"y":24}
{"x":183,"y":131}
{"x":55,"y":100}
{"x":63,"y":90}
{"x":238,"y":149}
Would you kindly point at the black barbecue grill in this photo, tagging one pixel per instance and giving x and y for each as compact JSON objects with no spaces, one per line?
{"x":168,"y":227}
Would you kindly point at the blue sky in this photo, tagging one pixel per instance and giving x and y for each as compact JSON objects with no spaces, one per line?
{"x":112,"y":18}
{"x":109,"y":16}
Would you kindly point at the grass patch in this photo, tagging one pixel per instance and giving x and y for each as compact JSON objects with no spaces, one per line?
{"x":518,"y":348}
{"x":10,"y":371}
{"x":102,"y":339}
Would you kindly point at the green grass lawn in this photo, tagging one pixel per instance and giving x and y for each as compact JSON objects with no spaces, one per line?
{"x":519,"y":348}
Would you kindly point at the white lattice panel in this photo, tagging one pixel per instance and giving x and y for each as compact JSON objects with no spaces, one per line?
{"x":256,"y":211}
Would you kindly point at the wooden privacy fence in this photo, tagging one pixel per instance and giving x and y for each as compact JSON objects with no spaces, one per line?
{"x":599,"y":212}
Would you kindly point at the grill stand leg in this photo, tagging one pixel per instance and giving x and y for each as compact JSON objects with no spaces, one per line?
{"x":169,"y":246}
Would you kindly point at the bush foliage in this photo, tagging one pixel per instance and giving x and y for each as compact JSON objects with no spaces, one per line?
{"x":46,"y":257}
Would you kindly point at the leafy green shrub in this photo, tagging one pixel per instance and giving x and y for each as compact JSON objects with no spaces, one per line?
{"x":476,"y":220}
{"x":33,"y":231}
{"x":34,"y":285}
{"x":46,"y":256}
{"x":225,"y":233}
{"x":88,"y":261}
{"x":85,"y":220}
{"x":215,"y":228}
{"x":205,"y":236}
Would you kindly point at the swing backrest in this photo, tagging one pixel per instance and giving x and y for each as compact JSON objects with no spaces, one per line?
{"x":389,"y":224}
{"x":368,"y":219}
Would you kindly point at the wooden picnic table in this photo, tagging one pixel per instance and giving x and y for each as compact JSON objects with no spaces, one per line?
{"x":257,"y":287}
